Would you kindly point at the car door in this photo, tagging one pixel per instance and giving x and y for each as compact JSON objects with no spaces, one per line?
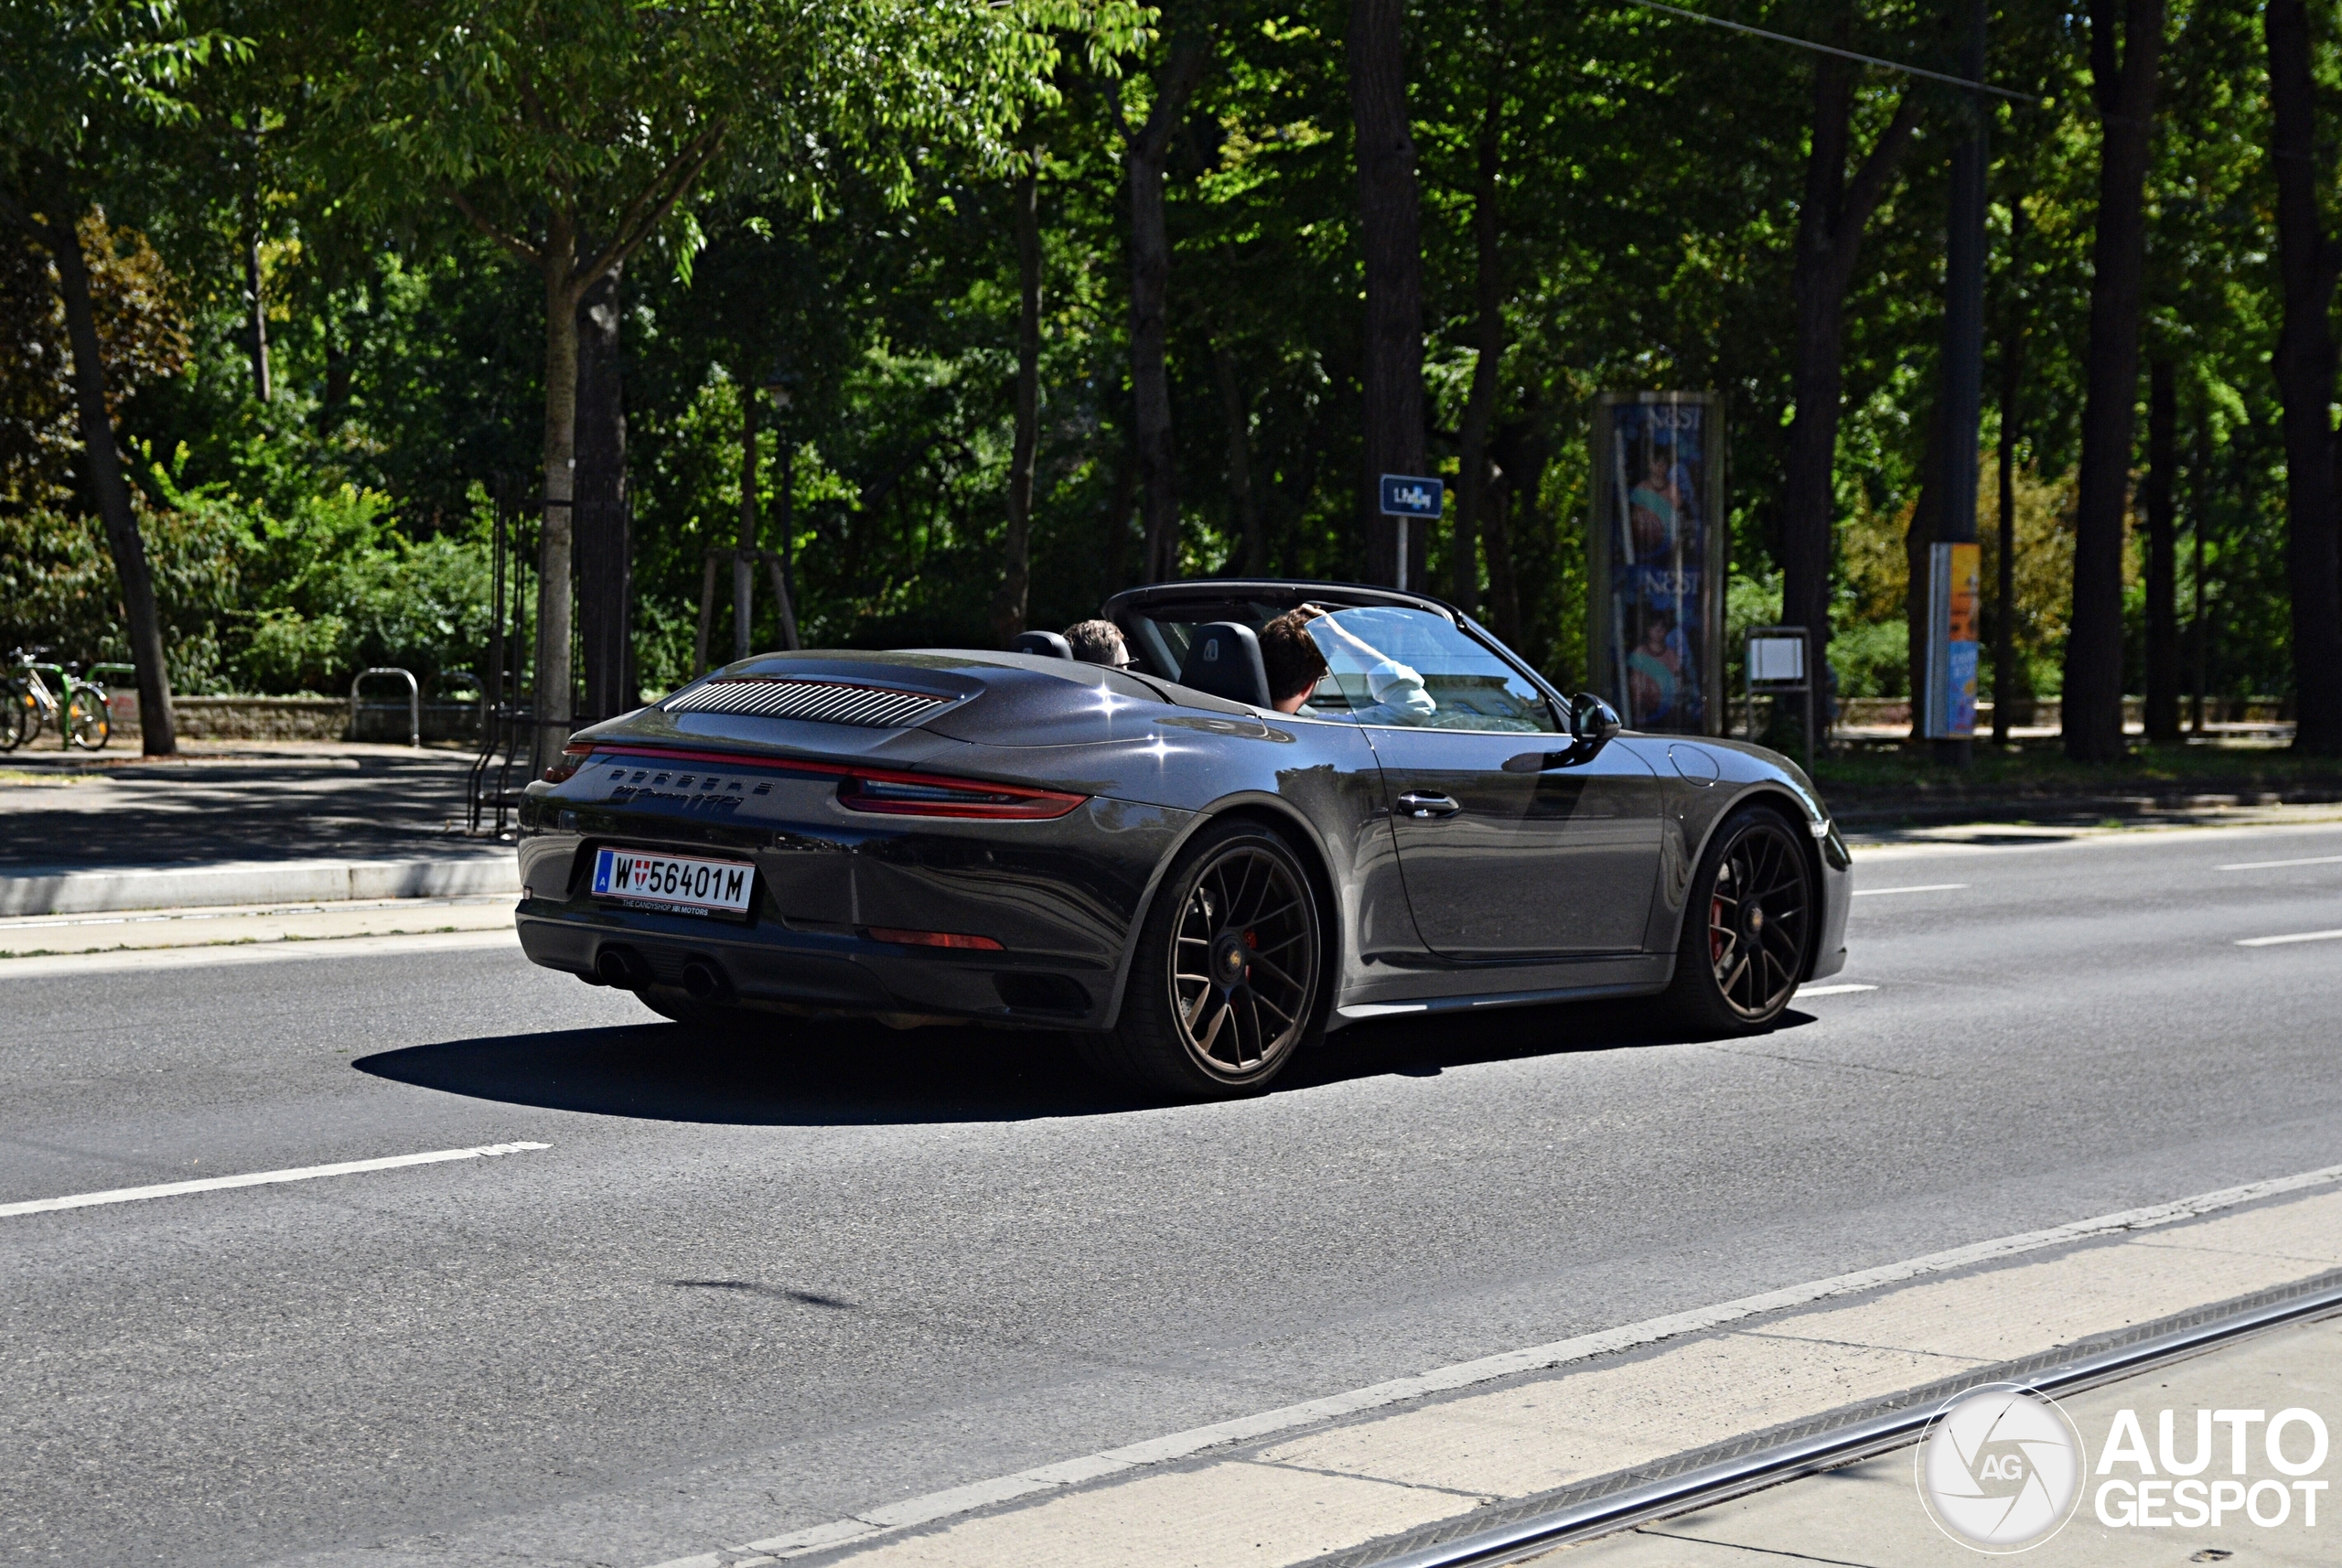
{"x":1507,"y":850}
{"x":1505,"y":857}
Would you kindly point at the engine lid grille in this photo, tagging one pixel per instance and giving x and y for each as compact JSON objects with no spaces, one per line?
{"x":822,"y":702}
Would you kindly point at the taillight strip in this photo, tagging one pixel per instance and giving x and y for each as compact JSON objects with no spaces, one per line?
{"x":1029,"y":804}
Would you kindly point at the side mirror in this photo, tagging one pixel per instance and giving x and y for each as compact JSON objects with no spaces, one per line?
{"x":1593,"y":723}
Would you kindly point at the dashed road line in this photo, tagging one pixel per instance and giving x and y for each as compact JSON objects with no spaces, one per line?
{"x":1832,"y":990}
{"x":259,"y":1178}
{"x":1921,"y":887}
{"x":2273,"y":864}
{"x":2295,"y":936}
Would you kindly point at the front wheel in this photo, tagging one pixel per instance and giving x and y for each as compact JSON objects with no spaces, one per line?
{"x":1746,"y":928}
{"x":18,"y":714}
{"x":87,"y":724}
{"x":1225,"y":985}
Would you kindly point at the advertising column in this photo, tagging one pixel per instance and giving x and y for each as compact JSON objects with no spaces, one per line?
{"x":1656,"y":546}
{"x":1952,"y":604}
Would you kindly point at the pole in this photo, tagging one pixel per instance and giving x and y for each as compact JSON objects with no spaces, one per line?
{"x":1963,"y":327}
{"x":744,"y":562}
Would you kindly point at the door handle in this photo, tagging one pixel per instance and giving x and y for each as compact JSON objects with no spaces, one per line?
{"x":1414,"y":804}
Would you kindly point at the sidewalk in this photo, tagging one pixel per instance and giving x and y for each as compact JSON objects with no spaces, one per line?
{"x":239,"y":824}
{"x":1869,"y":1516}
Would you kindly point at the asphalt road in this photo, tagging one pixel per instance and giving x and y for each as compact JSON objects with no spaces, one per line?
{"x":762,"y":1285}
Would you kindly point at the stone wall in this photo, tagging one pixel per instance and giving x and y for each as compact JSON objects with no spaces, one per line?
{"x":297,"y":718}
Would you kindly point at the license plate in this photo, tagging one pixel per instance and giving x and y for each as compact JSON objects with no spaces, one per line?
{"x":680,"y":884}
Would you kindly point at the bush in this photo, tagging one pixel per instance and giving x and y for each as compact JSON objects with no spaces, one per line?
{"x":1873,"y":660}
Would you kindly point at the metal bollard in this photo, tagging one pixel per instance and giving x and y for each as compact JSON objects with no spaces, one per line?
{"x":413,"y":699}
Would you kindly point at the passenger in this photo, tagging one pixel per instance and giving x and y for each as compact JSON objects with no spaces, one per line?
{"x":1397,"y":690}
{"x":1098,"y":642}
{"x":1290,"y":659}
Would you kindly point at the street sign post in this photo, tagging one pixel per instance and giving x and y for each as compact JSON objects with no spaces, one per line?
{"x":1407,"y":496}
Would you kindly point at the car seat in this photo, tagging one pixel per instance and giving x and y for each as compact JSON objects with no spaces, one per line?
{"x":1225,"y":661}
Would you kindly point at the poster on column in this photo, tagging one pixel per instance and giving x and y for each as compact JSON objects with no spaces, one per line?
{"x":1656,"y":549}
{"x":1954,"y":605}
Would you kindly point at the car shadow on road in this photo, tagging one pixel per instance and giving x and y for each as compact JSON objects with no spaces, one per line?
{"x":825,"y":1074}
{"x":801,"y":1074}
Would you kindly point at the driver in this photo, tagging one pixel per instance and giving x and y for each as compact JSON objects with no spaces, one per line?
{"x":1294,"y":659}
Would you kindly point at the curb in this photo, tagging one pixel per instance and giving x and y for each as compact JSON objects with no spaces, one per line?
{"x":1863,"y":809}
{"x":255,"y":882}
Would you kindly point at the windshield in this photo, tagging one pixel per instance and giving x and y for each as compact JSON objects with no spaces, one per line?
{"x":1386,"y":664}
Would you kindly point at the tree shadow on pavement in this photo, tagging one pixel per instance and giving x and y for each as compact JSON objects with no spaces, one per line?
{"x":842,"y":1074}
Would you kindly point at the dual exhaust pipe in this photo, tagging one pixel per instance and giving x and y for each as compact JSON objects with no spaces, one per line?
{"x":623,"y":967}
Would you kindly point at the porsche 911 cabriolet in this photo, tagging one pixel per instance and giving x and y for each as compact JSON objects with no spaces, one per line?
{"x":1196,"y":873}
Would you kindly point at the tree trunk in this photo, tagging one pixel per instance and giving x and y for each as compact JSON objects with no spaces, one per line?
{"x":605,"y":551}
{"x":1009,"y":605}
{"x":1146,"y":154}
{"x":256,"y":305}
{"x":1510,"y":526}
{"x":553,"y":676}
{"x":1926,"y":528}
{"x":158,"y":726}
{"x":1252,"y":559}
{"x":1390,"y":221}
{"x":2200,"y":514}
{"x":2163,"y":560}
{"x":1480,"y":404}
{"x":1829,"y":243}
{"x":2307,"y":259}
{"x":2125,"y":83}
{"x":744,"y":556}
{"x":2005,"y":685}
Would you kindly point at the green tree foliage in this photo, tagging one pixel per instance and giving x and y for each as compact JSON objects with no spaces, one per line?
{"x":857,"y":232}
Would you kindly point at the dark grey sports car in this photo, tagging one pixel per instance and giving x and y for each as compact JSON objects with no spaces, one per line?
{"x":1161,"y":858}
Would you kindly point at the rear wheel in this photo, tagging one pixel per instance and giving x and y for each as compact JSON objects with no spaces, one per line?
{"x":1746,"y":928}
{"x":1225,"y":983}
{"x":87,"y":724}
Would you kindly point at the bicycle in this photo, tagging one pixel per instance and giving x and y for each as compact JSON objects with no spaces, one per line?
{"x":27,"y":704}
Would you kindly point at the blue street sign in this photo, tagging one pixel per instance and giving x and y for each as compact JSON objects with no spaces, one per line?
{"x":1405,"y":495}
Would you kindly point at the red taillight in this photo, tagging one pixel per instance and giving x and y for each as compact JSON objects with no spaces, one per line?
{"x":932,"y":939}
{"x":909,"y":795}
{"x":564,"y":767}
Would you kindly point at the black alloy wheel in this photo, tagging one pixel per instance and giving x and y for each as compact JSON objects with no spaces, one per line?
{"x":1746,"y":927}
{"x":1225,"y":985}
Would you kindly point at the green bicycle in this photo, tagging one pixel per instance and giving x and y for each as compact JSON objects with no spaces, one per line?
{"x":26,"y":704}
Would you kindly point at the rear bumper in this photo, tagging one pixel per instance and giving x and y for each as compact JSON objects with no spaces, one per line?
{"x":1060,"y":897}
{"x":769,"y":966}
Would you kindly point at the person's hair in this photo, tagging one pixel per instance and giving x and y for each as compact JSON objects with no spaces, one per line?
{"x":1097,"y":642}
{"x":1289,"y":656}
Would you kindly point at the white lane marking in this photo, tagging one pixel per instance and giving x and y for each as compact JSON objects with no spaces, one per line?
{"x":260,"y":1178}
{"x":1832,"y":990}
{"x":1921,"y":887}
{"x":912,"y":1512}
{"x":2273,"y":864}
{"x":2295,"y":937}
{"x":51,"y":964}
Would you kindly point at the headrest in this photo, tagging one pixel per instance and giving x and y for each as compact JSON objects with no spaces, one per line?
{"x":1225,"y":661}
{"x":1048,"y":644}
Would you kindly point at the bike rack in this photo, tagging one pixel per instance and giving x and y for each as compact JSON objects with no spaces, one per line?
{"x":414,"y":700}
